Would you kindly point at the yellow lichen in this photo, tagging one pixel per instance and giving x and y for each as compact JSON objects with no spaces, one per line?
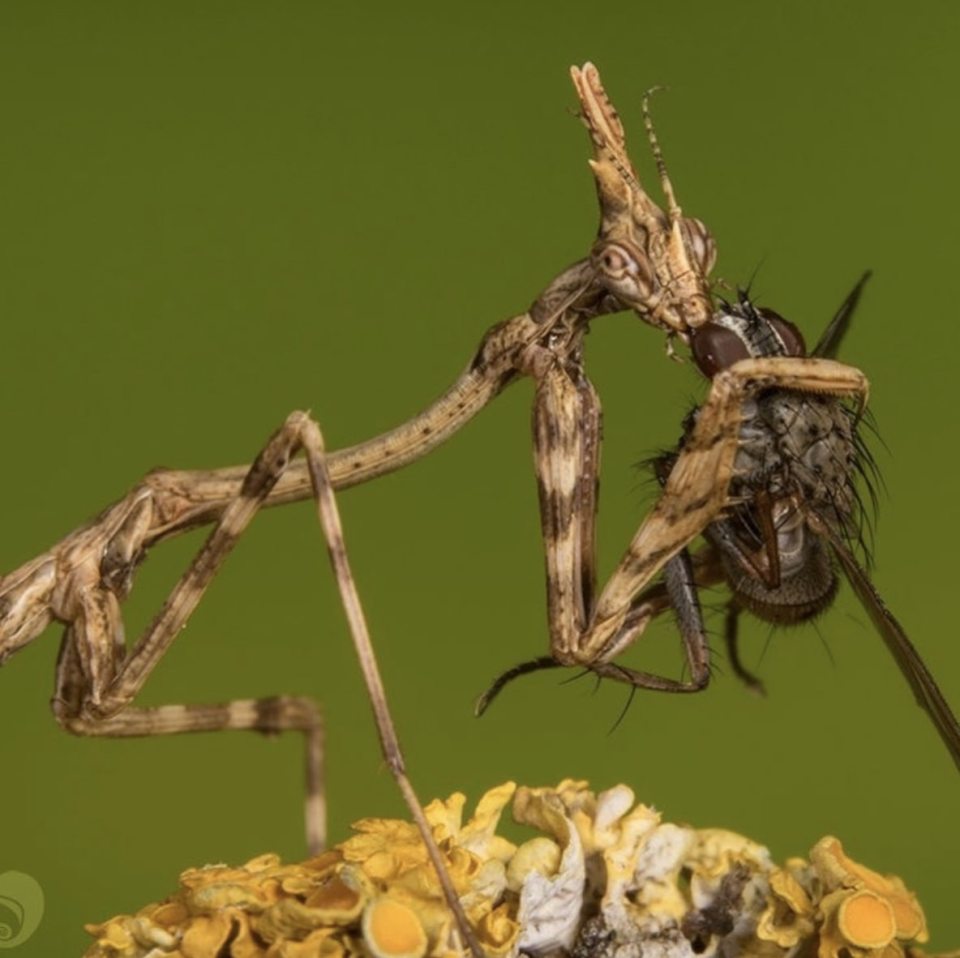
{"x":603,"y":874}
{"x":540,"y":854}
{"x":788,"y":918}
{"x":866,"y":920}
{"x":392,"y":930}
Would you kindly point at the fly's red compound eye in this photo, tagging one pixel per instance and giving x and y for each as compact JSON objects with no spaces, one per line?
{"x":715,"y":347}
{"x":791,"y":336}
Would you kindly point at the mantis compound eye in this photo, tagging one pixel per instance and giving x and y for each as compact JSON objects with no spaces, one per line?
{"x":615,"y":261}
{"x":628,"y":276}
{"x":699,"y":244}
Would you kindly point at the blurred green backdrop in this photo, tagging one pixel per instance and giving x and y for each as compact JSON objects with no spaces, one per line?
{"x":214,"y":213}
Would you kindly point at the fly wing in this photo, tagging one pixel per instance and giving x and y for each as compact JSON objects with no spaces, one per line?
{"x":829,"y":342}
{"x":925,"y":689}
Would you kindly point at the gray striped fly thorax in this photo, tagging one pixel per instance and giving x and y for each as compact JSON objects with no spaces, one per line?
{"x":798,"y":446}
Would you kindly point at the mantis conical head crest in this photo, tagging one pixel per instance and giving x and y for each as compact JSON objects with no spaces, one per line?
{"x":655,"y":261}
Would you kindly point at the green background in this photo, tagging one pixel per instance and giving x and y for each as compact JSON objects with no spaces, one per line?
{"x":214,"y":213}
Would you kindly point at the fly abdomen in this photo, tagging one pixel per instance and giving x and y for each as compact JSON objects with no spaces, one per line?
{"x":804,"y":591}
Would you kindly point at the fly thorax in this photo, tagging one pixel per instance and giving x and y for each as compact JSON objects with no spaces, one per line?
{"x":815,"y":449}
{"x":759,"y":460}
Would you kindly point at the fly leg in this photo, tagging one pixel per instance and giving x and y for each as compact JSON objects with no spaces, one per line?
{"x":731,"y":634}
